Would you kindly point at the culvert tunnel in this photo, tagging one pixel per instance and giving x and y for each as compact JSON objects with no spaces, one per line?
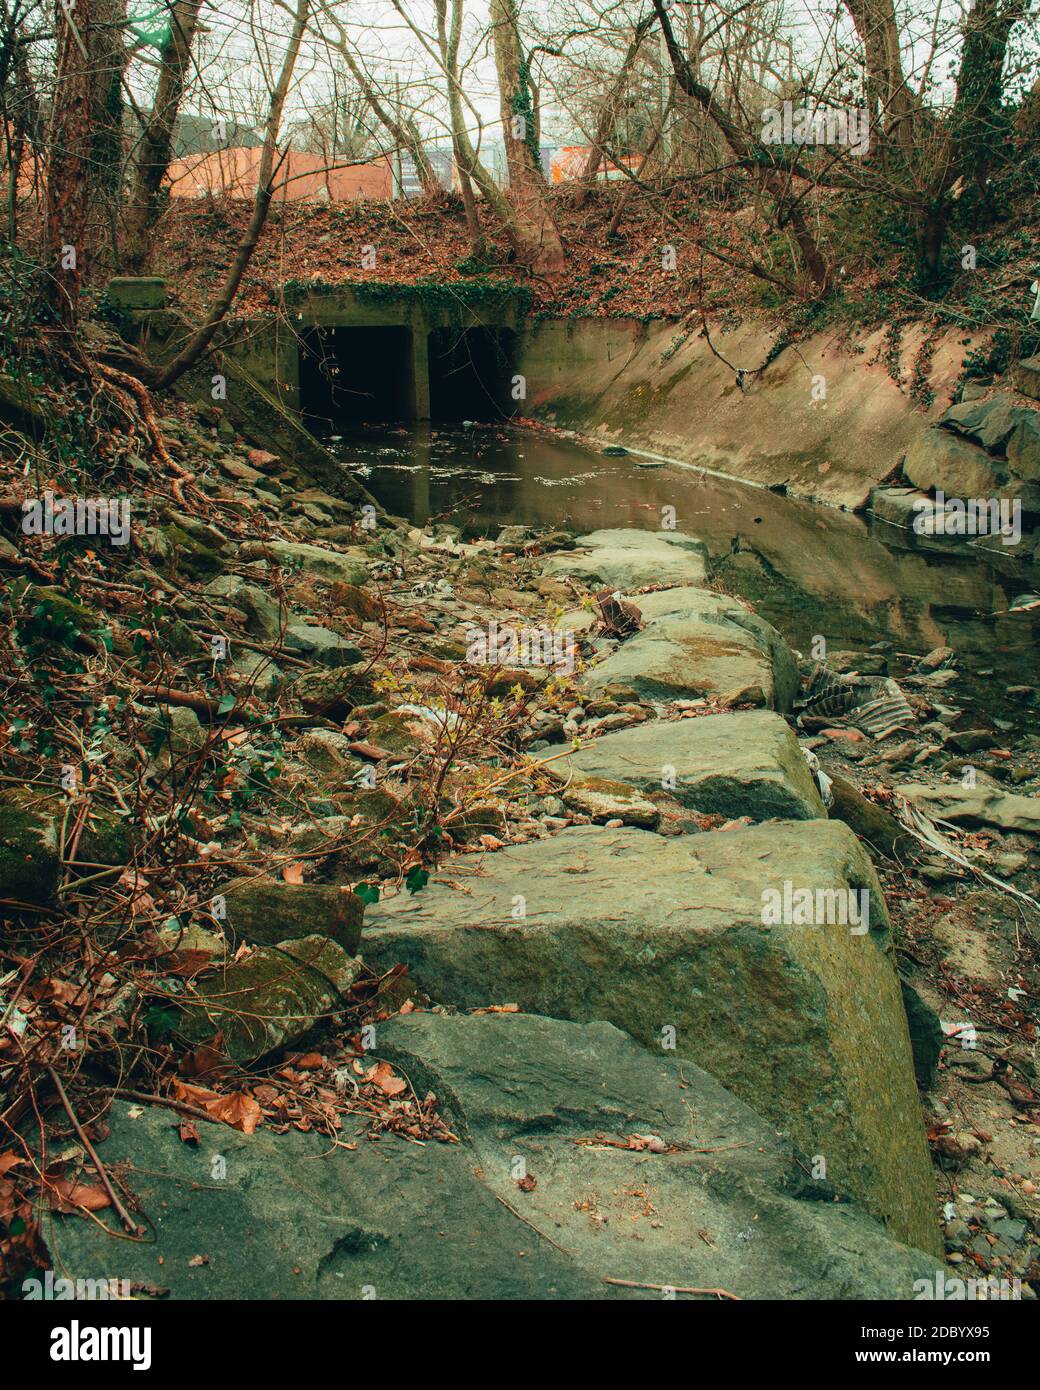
{"x":471,"y":373}
{"x":354,"y":375}
{"x":376,"y":375}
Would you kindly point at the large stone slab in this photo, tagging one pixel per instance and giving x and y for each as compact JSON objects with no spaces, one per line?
{"x":989,"y":425}
{"x":747,"y":763}
{"x":976,"y":806}
{"x":1027,"y":377}
{"x":696,"y":642}
{"x":628,"y":559}
{"x":938,"y":459}
{"x":805,"y":1023}
{"x":728,"y":1207}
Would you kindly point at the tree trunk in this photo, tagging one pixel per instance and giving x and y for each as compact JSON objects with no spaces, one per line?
{"x":890,"y":102}
{"x":401,"y":128}
{"x":269,"y":164}
{"x":107,"y":98}
{"x":156,"y":146}
{"x":68,"y":169}
{"x":538,"y":241}
{"x":753,"y":156}
{"x":977,"y":127}
{"x":471,"y":170}
{"x":608,"y":112}
{"x":21,"y":118}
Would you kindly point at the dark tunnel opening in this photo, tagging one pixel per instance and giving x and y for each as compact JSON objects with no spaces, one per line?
{"x":355,"y":375}
{"x":471,"y":373}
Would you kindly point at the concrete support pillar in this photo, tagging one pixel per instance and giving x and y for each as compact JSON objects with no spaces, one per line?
{"x":420,"y":370}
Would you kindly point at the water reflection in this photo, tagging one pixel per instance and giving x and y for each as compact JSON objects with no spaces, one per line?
{"x":808,"y":569}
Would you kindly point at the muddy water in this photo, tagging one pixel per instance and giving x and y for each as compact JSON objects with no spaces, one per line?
{"x":810,"y":570}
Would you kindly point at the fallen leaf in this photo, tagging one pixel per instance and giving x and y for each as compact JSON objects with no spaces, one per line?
{"x":71,"y":1197}
{"x":293,"y":873}
{"x":382,"y":1075}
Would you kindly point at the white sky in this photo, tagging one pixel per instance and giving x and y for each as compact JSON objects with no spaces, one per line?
{"x":242,"y":41}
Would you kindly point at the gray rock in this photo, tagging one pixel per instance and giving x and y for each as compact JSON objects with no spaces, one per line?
{"x":745,"y":763}
{"x":628,"y":559}
{"x":320,"y":645}
{"x":937,"y":459}
{"x":988,"y":425}
{"x":699,"y":643}
{"x":332,"y":692}
{"x":1023,"y":449}
{"x":1026,"y":377}
{"x":804,"y":1023}
{"x":937,"y":658}
{"x":267,"y":911}
{"x":926,"y":1035}
{"x":328,"y":752}
{"x":605,"y":801}
{"x":262,"y":675}
{"x":294,"y":1218}
{"x":896,"y":505}
{"x":512,"y":537}
{"x":976,"y":806}
{"x":262,"y":614}
{"x":350,"y":567}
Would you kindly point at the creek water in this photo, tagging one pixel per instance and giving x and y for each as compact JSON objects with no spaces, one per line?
{"x":809,"y":570}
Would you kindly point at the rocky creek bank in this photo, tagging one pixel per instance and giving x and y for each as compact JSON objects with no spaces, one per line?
{"x":467,"y":975}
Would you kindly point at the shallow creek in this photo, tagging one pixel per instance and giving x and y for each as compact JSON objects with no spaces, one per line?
{"x":808,"y":569}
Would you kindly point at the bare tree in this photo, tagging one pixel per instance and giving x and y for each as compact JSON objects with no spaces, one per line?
{"x":68,"y":167}
{"x":534,"y":232}
{"x":156,"y":140}
{"x":270,"y":161}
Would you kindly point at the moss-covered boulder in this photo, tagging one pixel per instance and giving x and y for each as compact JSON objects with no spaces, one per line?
{"x":190,"y":556}
{"x":30,"y":869}
{"x":349,"y":567}
{"x":263,"y":618}
{"x":271,"y":999}
{"x":30,"y":836}
{"x":264,"y":911}
{"x":333,"y":693}
{"x":603,"y":799}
